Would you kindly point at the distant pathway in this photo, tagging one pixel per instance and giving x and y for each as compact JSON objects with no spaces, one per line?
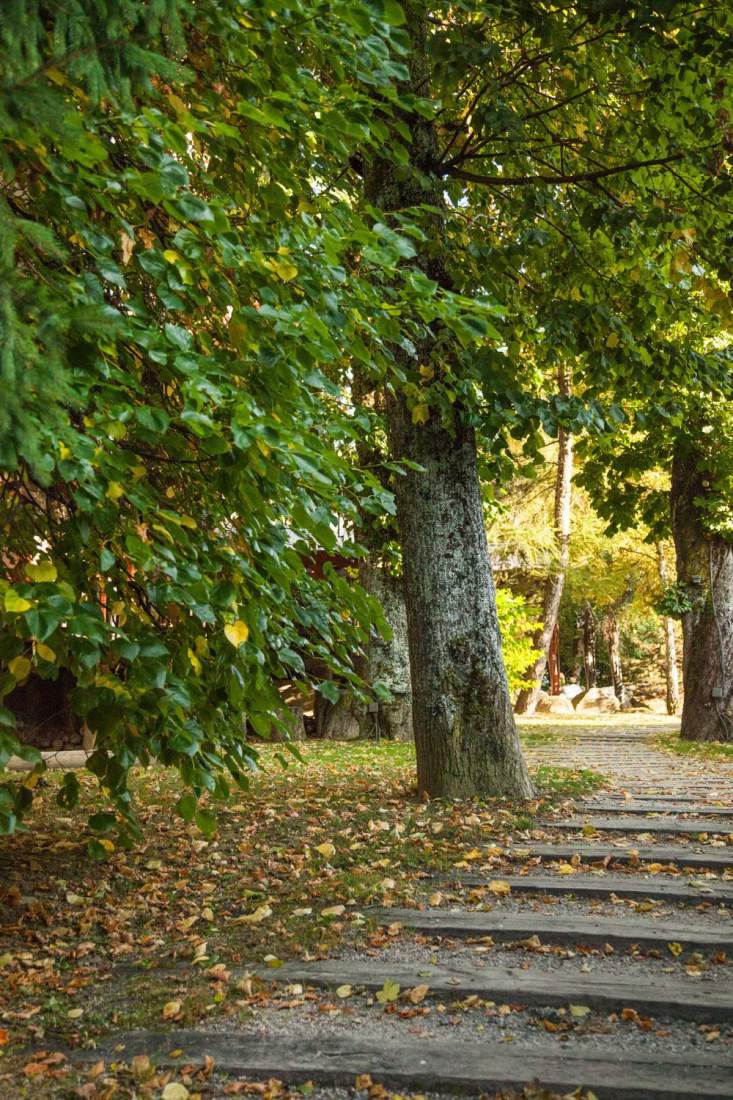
{"x":624,"y":752}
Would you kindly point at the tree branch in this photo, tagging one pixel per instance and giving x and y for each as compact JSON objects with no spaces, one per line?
{"x":576,"y":177}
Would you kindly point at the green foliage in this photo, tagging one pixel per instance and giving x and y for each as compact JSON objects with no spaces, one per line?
{"x":518,"y":622}
{"x":676,"y":601}
{"x":174,"y":292}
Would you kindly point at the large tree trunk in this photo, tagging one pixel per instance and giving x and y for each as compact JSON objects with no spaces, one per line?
{"x":465,"y":737}
{"x":671,"y":672}
{"x":705,"y":568}
{"x":527,"y":699}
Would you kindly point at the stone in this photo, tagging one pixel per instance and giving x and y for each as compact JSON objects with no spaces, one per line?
{"x":506,"y":927}
{"x":596,"y":886}
{"x":639,"y":824}
{"x":553,"y":704}
{"x":572,"y":690}
{"x":714,"y":859}
{"x":598,"y":700}
{"x":430,"y":1065}
{"x":605,"y":993}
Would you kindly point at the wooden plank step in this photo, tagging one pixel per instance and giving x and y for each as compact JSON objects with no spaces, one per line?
{"x":602,"y":886}
{"x":430,"y":1065}
{"x":713,"y":859}
{"x":561,"y":929}
{"x":654,"y":806}
{"x":632,"y":824}
{"x":683,"y":1000}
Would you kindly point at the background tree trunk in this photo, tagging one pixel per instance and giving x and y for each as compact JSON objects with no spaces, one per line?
{"x":588,"y":644}
{"x":385,"y":661}
{"x":465,"y":738}
{"x":705,"y":567}
{"x":671,"y":671}
{"x":612,"y":638}
{"x":527,"y":699}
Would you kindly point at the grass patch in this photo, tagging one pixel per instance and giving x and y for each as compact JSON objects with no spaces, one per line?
{"x":701,"y":750}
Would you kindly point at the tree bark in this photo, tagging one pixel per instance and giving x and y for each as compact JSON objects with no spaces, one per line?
{"x":386,"y":661}
{"x":671,"y":670}
{"x":612,"y":638}
{"x":527,"y":699}
{"x":588,"y":646}
{"x":705,"y":569}
{"x":465,"y":738}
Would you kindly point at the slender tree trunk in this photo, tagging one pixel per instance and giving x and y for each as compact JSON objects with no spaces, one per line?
{"x":705,"y":568}
{"x":465,"y":737}
{"x":588,"y":642}
{"x":612,"y":637}
{"x":527,"y":699}
{"x":671,"y":672}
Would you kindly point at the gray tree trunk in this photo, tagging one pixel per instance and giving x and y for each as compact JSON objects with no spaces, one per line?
{"x":465,"y":738}
{"x":527,"y":699}
{"x":671,"y":670}
{"x":705,"y":568}
{"x":385,"y":661}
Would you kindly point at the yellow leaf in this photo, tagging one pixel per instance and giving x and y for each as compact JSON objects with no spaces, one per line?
{"x":171,"y":1009}
{"x":654,"y":868}
{"x":19,"y":668}
{"x":344,"y":991}
{"x":473,"y":854}
{"x":390,"y":991}
{"x":565,"y":869}
{"x":64,"y":452}
{"x":262,"y":912}
{"x":333,"y":911}
{"x":42,"y":571}
{"x":285,"y":269}
{"x":75,"y":1013}
{"x":427,"y":372}
{"x":326,"y":849}
{"x":237,"y":633}
{"x":420,"y":414}
{"x":500,"y":887}
{"x":171,"y":256}
{"x":579,"y":1011}
{"x":589,"y":830}
{"x":45,"y":652}
{"x":174,"y":1090}
{"x":127,"y":243}
{"x":114,"y":491}
{"x":675,"y":949}
{"x":16,"y":603}
{"x":612,"y":340}
{"x":187,"y":521}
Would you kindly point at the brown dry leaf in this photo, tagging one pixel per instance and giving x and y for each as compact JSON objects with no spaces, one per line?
{"x":418,"y":994}
{"x":171,"y":1009}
